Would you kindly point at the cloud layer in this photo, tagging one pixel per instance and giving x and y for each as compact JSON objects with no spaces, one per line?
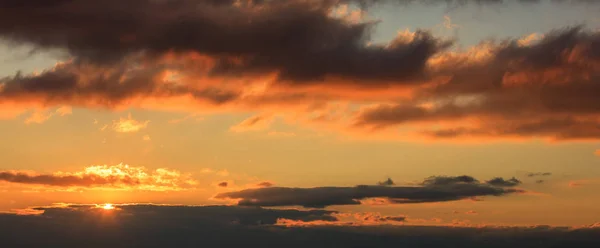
{"x":220,"y":226}
{"x":295,"y":57}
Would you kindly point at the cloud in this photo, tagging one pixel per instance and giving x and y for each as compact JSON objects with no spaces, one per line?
{"x":64,"y":110}
{"x":104,"y":127}
{"x":500,"y":182}
{"x":321,"y":197}
{"x":387,"y":182}
{"x":226,"y":226}
{"x":487,"y":91}
{"x":146,"y":138}
{"x":129,"y":125}
{"x":538,"y":174}
{"x":223,"y":184}
{"x":106,"y":177}
{"x":193,"y":116}
{"x":156,"y":54}
{"x":306,"y":44}
{"x":253,"y":123}
{"x":40,"y":116}
{"x":265,"y":184}
{"x":448,"y":180}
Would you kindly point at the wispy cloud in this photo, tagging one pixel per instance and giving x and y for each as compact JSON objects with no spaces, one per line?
{"x":254,"y":123}
{"x":194,"y":116}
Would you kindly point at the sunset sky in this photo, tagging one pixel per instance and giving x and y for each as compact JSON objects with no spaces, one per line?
{"x":479,"y":112}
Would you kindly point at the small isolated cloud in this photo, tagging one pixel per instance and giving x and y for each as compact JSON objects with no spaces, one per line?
{"x":449,"y":24}
{"x":223,"y":184}
{"x":119,"y":176}
{"x":194,"y":117}
{"x":255,"y":123}
{"x":146,"y":138}
{"x":431,"y":190}
{"x":265,"y":184}
{"x":103,"y":128}
{"x":129,"y":125}
{"x":539,"y":174}
{"x":40,"y":116}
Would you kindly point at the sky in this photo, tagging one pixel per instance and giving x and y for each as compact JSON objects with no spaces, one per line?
{"x":402,"y":113}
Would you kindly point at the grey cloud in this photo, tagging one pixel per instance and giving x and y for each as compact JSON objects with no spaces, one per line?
{"x":265,"y":184}
{"x":446,"y":180}
{"x":320,"y":197}
{"x":501,"y":182}
{"x":388,"y":182}
{"x":295,"y":38}
{"x":84,"y":84}
{"x":536,"y":174}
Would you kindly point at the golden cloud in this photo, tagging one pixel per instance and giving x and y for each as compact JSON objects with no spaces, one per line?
{"x":105,"y":177}
{"x":129,"y":125}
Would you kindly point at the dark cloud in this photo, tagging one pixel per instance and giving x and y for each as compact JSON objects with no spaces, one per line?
{"x":88,"y":85}
{"x":379,"y":218}
{"x":319,"y":197}
{"x":536,"y":174}
{"x":388,"y":182}
{"x":501,"y":182}
{"x":220,"y":226}
{"x":297,"y":39}
{"x":491,"y":96}
{"x":265,"y":184}
{"x":223,"y":184}
{"x":446,"y":180}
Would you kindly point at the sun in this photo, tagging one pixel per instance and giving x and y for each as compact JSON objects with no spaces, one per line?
{"x":108,"y":206}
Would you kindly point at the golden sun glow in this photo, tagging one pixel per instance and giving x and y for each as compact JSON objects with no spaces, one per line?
{"x":108,"y":206}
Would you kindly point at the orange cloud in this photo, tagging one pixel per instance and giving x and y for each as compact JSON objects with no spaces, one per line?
{"x":42,"y":115}
{"x":255,"y":123}
{"x":129,"y":125}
